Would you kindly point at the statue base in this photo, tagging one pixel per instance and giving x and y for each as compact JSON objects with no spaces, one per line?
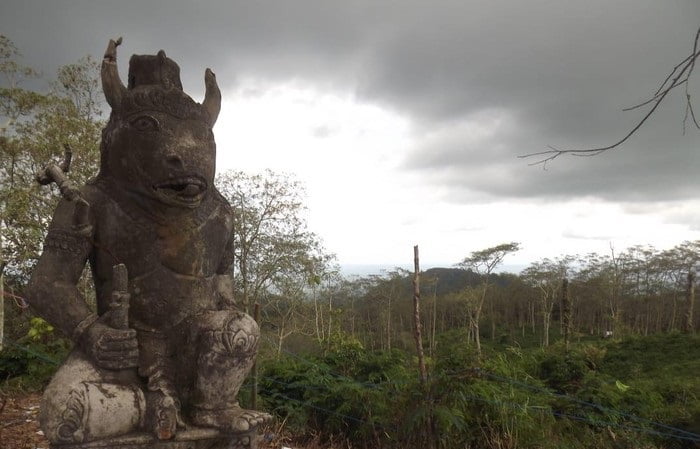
{"x":192,"y":438}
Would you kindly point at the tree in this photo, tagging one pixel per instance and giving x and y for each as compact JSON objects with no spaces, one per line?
{"x":680,"y":262}
{"x":599,"y":282}
{"x":286,"y":304}
{"x":330,"y":285}
{"x":272,"y":244}
{"x":284,"y":311}
{"x":547,"y":277}
{"x":34,"y":127}
{"x":679,"y":76}
{"x":382,"y":298}
{"x":484,"y":262}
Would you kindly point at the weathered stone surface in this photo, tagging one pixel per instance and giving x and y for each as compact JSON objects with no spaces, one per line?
{"x":161,"y":361}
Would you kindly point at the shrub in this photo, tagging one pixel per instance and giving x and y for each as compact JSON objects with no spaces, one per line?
{"x":563,"y":371}
{"x":32,"y":360}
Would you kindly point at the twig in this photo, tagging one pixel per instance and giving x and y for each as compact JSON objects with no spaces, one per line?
{"x":651,"y":100}
{"x":689,"y":105}
{"x":13,"y":423}
{"x":20,"y":301}
{"x":672,"y":72}
{"x":682,"y":73}
{"x":692,"y":114}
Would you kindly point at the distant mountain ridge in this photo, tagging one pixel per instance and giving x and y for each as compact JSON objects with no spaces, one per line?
{"x":449,"y":280}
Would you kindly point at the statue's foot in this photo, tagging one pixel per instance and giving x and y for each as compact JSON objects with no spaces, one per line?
{"x":164,"y":415}
{"x":231,"y":420}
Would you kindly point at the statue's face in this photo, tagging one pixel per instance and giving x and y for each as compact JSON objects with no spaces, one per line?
{"x":162,"y":157}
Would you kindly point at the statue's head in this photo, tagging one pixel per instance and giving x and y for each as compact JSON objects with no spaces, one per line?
{"x":158,"y":142}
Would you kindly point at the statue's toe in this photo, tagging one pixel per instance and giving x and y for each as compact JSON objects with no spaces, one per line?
{"x":234,"y":420}
{"x":165,"y":413}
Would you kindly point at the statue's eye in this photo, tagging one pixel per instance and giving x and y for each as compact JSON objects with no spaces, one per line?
{"x":145,"y":123}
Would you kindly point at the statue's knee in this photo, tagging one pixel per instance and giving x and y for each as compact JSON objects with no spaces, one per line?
{"x":53,"y":418}
{"x":54,"y":410}
{"x":228,"y":321}
{"x":229,"y":332}
{"x":79,"y":406}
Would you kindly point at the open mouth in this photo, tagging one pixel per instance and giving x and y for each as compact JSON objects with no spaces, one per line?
{"x":187,"y":190}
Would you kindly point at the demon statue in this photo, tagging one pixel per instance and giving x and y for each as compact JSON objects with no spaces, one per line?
{"x":161,"y":361}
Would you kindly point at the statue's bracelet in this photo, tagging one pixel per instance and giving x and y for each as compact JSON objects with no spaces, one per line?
{"x":83,"y":325}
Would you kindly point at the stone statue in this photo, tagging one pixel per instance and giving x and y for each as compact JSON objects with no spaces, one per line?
{"x":161,"y":362}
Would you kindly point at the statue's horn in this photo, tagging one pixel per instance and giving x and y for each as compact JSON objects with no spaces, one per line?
{"x":212,"y":97}
{"x":112,"y":86}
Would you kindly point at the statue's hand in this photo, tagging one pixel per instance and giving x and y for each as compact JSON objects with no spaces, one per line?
{"x":110,"y":348}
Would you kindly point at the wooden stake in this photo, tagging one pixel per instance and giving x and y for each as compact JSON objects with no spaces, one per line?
{"x":566,"y":311}
{"x":254,"y":392}
{"x":690,"y":296}
{"x":416,"y":318}
{"x":2,"y":304}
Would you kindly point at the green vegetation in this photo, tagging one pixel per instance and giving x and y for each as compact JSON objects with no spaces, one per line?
{"x":606,"y":394}
{"x":29,"y":362}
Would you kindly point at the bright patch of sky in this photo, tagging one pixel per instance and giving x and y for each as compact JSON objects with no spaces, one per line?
{"x":369,"y":211}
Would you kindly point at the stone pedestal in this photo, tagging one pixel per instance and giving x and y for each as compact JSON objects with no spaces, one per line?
{"x":192,"y":438}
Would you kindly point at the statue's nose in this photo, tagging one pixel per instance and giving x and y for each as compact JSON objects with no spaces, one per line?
{"x":174,"y":162}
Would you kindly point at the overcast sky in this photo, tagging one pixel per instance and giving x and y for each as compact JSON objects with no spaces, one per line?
{"x":404,"y":119}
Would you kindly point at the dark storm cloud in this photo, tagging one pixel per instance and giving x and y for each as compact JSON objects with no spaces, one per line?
{"x":480,"y":82}
{"x":658,"y":163}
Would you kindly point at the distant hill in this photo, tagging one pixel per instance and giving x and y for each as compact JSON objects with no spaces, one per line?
{"x":449,"y":279}
{"x":455,"y":279}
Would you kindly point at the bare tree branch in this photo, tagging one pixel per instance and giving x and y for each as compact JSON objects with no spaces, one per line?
{"x":679,"y":76}
{"x":692,"y":113}
{"x":689,"y":105}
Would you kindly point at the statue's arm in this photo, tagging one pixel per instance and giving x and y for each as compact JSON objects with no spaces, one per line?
{"x":53,"y":291}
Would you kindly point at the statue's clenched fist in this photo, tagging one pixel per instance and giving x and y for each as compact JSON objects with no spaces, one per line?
{"x":110,"y":348}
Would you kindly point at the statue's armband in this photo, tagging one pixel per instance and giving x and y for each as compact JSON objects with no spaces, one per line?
{"x":70,"y":236}
{"x":69,"y":242}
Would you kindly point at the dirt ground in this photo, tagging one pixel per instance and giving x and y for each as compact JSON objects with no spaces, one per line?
{"x":19,"y":428}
